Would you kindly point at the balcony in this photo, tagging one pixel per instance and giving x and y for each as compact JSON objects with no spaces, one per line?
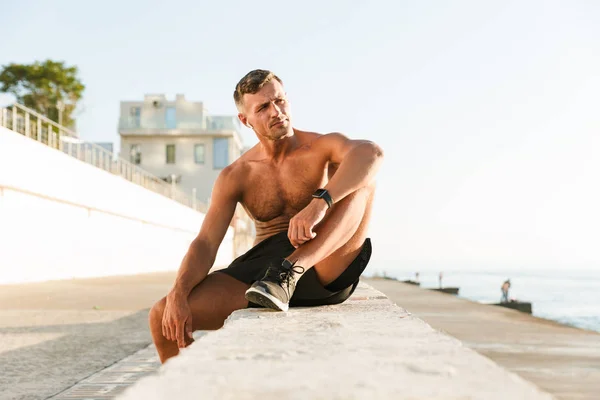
{"x":208,"y":125}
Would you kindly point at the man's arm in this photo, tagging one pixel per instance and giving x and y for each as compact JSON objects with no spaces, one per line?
{"x":203,"y":250}
{"x":358,"y":160}
{"x":200,"y":256}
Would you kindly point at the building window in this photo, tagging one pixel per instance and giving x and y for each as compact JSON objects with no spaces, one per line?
{"x":170,"y":118}
{"x":135,"y":154}
{"x":135,"y":116}
{"x":220,"y":153}
{"x":199,"y":153}
{"x":170,"y":154}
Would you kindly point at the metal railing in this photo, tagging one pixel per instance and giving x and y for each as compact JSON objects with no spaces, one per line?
{"x":207,"y":124}
{"x":35,"y":126}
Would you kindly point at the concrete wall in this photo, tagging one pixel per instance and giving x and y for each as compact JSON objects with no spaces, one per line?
{"x":365,"y":348}
{"x":61,"y":218}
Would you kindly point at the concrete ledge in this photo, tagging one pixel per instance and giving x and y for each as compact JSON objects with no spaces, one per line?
{"x":364,"y":348}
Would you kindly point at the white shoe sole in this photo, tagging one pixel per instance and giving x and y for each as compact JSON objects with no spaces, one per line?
{"x":264,"y":299}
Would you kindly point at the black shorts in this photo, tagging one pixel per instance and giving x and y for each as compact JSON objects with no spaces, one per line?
{"x":309,"y":292}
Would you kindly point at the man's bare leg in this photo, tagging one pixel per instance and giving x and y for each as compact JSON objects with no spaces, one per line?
{"x":340,"y":236}
{"x":211,"y":302}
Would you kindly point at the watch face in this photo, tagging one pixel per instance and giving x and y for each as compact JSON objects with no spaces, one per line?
{"x":319,"y":192}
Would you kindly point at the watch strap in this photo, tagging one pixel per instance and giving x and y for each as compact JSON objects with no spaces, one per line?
{"x":324,"y":194}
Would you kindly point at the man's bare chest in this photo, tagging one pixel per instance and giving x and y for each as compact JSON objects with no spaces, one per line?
{"x":272,"y":192}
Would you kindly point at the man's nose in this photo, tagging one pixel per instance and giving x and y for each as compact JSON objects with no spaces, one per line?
{"x":277,"y":109}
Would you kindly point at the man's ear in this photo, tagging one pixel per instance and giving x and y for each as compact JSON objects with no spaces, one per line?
{"x":244,"y":120}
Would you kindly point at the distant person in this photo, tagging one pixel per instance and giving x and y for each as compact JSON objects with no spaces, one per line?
{"x":310,"y":196}
{"x":505,"y":288}
{"x":440,"y":278}
{"x":416,"y":277}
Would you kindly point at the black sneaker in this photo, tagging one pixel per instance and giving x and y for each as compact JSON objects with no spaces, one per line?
{"x":276,"y":288}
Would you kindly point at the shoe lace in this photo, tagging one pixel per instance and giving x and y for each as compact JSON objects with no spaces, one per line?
{"x":283,"y":275}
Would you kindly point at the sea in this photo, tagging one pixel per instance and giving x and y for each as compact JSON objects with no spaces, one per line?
{"x":569,"y":297}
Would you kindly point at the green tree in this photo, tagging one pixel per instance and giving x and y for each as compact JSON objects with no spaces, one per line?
{"x":49,"y":87}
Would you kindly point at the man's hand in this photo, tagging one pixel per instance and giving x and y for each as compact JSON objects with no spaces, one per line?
{"x":177,"y":321}
{"x":303,"y":223}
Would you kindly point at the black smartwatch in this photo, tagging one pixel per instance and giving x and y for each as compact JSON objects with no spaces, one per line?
{"x":323,"y":194}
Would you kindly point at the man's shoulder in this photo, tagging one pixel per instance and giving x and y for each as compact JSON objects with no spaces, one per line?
{"x":235,"y":170}
{"x":317,"y":137}
{"x":326,"y":141}
{"x":230,"y":180}
{"x":238,"y":171}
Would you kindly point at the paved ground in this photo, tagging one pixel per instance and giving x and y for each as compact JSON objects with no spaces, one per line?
{"x":562,"y":360}
{"x":54,"y":334}
{"x":114,"y":380}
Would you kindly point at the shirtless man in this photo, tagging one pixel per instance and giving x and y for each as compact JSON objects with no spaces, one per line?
{"x":310,"y":196}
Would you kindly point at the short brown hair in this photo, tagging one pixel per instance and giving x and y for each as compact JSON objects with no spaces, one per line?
{"x":251,"y":83}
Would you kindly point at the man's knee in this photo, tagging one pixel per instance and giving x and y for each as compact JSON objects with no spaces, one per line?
{"x":370,"y":188}
{"x":156,"y":312}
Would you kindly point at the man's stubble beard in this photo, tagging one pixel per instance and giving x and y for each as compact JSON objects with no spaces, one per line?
{"x":281,"y":132}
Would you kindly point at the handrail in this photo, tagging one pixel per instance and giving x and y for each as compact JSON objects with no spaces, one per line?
{"x":45,"y":119}
{"x":29,"y":123}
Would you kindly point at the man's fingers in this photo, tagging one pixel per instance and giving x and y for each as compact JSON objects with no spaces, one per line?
{"x":300,"y":234}
{"x":181,"y":335}
{"x":172,"y":336}
{"x":308,"y":233}
{"x":293,"y":234}
{"x":164,"y":329}
{"x":291,"y":229}
{"x":188,"y":328}
{"x":167,"y":329}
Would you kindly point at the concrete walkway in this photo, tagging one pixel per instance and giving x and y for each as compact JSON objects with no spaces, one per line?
{"x":55,"y":334}
{"x":366,"y":348}
{"x":562,"y":360}
{"x":108,"y":383}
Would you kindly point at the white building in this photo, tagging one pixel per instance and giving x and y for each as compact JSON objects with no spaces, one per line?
{"x":179,"y":141}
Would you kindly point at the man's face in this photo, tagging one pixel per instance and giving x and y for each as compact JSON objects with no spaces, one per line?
{"x":267,"y":111}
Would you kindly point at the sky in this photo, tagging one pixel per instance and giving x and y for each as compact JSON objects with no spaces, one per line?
{"x":488,"y":112}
